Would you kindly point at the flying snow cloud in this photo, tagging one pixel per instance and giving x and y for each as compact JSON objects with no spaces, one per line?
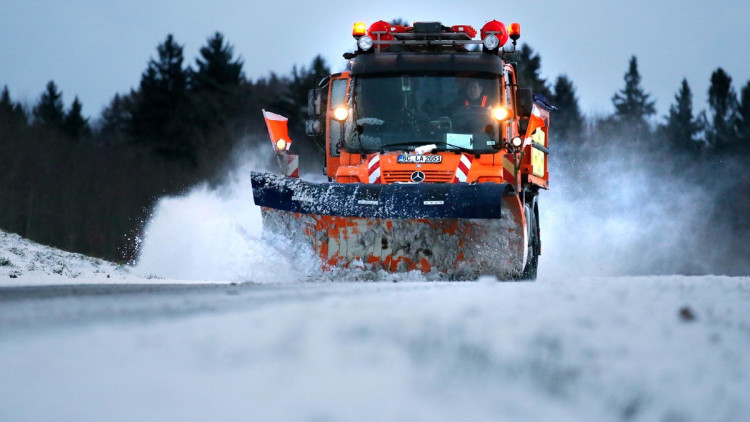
{"x":215,"y":234}
{"x":605,"y":217}
{"x":620,"y":216}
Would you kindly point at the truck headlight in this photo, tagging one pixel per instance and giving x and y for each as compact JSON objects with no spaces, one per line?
{"x":500,"y":113}
{"x":340,"y":113}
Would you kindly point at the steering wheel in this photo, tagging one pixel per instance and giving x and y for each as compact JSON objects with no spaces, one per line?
{"x":468,"y":118}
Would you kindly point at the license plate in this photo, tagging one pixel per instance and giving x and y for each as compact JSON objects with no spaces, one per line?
{"x":426,"y":159}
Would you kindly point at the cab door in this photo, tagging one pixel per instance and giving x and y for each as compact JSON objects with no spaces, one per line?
{"x":338,"y":95}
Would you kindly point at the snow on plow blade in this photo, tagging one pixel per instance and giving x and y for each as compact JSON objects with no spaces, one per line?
{"x":460,"y":230}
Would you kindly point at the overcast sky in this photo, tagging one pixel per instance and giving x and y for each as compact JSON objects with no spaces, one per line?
{"x":96,"y":48}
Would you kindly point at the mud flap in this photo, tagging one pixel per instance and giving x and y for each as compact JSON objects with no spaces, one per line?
{"x":460,"y":230}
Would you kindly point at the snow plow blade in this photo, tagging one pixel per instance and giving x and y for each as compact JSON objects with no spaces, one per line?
{"x":460,"y":230}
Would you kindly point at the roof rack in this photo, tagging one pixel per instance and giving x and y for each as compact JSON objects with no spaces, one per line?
{"x":381,"y":36}
{"x":426,"y":39}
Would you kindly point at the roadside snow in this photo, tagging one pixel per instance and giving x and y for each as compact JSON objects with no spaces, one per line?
{"x":25,"y":263}
{"x":588,"y":349}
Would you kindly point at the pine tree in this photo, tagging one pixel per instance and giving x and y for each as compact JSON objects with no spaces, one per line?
{"x":681,"y":126}
{"x":632,"y":104}
{"x":49,"y":111}
{"x":11,"y":112}
{"x":75,"y":125}
{"x":722,"y":102}
{"x":216,"y":67}
{"x":568,"y":119}
{"x":294,"y":103}
{"x":163,"y":110}
{"x":166,"y":76}
{"x":116,"y":119}
{"x":6,"y":104}
{"x":742,"y":120}
{"x":528,"y":71}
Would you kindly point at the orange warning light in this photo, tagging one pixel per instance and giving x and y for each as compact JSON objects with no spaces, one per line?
{"x":515,"y":31}
{"x":359,"y":29}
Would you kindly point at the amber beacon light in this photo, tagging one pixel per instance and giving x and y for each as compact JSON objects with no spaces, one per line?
{"x":359,"y":29}
{"x":515,"y":31}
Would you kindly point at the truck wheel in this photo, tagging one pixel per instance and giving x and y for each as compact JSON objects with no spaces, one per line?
{"x":532,"y":262}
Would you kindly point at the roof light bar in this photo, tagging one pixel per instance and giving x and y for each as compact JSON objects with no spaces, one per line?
{"x":381,"y":35}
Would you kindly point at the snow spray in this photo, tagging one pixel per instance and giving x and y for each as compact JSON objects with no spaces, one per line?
{"x":635,"y":224}
{"x":617,"y":216}
{"x":215,"y":235}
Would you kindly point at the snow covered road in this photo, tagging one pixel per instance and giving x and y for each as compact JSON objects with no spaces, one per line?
{"x":619,"y":348}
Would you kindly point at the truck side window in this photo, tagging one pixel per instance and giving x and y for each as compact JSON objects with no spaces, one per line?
{"x":338,"y":93}
{"x":338,"y":98}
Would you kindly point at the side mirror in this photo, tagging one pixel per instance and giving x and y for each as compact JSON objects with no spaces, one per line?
{"x":524,"y":102}
{"x":312,"y":127}
{"x":523,"y":125}
{"x":313,"y":103}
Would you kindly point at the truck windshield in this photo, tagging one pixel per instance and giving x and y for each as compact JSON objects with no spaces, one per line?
{"x":401,"y":112}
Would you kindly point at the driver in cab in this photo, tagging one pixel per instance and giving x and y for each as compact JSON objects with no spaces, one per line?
{"x":470,"y":94}
{"x":474,"y":95}
{"x":464,"y":119}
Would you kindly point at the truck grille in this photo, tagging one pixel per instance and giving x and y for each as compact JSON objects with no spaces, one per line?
{"x":431,"y":176}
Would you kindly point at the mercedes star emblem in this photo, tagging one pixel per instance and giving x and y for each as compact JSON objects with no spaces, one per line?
{"x":417,"y":176}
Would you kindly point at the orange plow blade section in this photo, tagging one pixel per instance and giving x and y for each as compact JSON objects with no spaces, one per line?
{"x":456,"y":248}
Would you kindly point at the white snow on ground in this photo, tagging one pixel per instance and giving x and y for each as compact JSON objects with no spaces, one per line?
{"x":23,"y":262}
{"x":590,"y":349}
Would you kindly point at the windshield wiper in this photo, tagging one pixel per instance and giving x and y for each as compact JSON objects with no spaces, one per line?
{"x":398,"y":146}
{"x":439,"y":146}
{"x":445,"y":146}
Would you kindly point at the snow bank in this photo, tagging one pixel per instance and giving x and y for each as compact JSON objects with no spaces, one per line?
{"x":23,"y":262}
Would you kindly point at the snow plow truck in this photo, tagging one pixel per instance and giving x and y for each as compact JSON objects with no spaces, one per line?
{"x":435,"y":157}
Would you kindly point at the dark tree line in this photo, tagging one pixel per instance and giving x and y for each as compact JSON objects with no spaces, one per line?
{"x":725,"y":127}
{"x":89,"y":186}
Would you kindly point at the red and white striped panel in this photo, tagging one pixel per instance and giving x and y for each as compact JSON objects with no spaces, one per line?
{"x":509,"y":169}
{"x":373,"y":169}
{"x":462,"y":169}
{"x":291,"y":168}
